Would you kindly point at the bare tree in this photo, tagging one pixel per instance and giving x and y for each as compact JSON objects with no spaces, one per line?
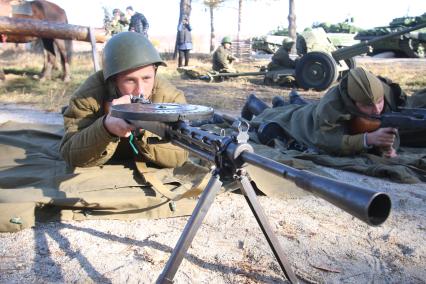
{"x":292,"y":23}
{"x":212,"y":4}
{"x":240,"y":12}
{"x":184,"y":11}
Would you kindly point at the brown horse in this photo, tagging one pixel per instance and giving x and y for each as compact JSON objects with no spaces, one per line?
{"x":45,"y":11}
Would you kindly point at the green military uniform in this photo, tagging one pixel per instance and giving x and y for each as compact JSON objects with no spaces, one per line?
{"x":281,"y":59}
{"x":323,"y":126}
{"x":223,"y":60}
{"x":87,"y":142}
{"x":118,"y":26}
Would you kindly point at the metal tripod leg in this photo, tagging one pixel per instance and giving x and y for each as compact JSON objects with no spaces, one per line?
{"x":191,"y":228}
{"x":260,"y":215}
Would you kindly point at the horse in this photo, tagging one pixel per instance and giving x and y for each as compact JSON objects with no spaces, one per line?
{"x":45,"y":11}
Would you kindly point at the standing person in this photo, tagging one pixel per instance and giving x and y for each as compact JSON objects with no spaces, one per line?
{"x":119,"y":22}
{"x":138,"y":22}
{"x":223,"y":59}
{"x":184,"y":41}
{"x":92,"y":136}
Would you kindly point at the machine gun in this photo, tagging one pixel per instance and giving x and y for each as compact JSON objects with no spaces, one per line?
{"x":230,"y":154}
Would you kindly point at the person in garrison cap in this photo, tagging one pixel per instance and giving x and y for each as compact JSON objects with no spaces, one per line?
{"x":327,"y":126}
{"x":92,"y":135}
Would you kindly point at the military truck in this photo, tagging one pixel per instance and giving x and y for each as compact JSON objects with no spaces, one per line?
{"x":268,"y":44}
{"x":411,"y":45}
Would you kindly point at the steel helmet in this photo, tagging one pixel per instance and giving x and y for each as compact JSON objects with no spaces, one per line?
{"x":226,"y":39}
{"x":126,"y":51}
{"x":288,"y":42}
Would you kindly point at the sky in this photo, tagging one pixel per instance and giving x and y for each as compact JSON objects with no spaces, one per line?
{"x":259,"y":16}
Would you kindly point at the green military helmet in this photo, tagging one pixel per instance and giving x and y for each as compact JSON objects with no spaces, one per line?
{"x":126,"y":51}
{"x":288,"y":42}
{"x":226,"y":39}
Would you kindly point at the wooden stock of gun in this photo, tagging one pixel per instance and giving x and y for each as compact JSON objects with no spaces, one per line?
{"x":410,"y":122}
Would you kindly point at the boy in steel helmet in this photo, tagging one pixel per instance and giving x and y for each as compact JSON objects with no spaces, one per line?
{"x":222,"y":57}
{"x":92,"y":135}
{"x":325,"y":125}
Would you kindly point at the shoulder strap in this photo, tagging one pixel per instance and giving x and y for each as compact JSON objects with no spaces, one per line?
{"x":150,"y":176}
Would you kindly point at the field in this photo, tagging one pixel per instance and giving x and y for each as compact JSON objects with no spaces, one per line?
{"x":323,"y":244}
{"x":23,"y":87}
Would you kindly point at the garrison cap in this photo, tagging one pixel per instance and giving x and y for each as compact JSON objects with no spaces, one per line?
{"x":364,"y":87}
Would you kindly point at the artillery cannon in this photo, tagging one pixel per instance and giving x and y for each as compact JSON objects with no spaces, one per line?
{"x":320,"y":63}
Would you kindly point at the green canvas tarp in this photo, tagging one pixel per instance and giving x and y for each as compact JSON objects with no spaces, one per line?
{"x":36,"y":184}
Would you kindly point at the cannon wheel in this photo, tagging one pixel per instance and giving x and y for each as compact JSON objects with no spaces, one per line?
{"x":316,"y":70}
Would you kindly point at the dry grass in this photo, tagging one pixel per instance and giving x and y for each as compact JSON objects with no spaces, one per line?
{"x":23,"y":86}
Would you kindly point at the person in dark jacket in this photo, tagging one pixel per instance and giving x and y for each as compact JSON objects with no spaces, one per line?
{"x":138,"y":22}
{"x":184,"y":41}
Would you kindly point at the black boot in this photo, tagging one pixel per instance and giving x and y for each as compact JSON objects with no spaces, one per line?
{"x":253,"y":106}
{"x":269,"y":131}
{"x":278,"y":101}
{"x":296,"y":99}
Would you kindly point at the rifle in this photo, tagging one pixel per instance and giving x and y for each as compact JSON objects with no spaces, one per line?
{"x":410,"y":122}
{"x":230,"y":154}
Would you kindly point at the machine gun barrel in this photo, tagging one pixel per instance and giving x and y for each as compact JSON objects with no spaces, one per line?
{"x":367,"y":205}
{"x":363,"y":47}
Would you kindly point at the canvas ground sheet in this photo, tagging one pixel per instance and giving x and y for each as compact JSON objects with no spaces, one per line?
{"x":36,"y":184}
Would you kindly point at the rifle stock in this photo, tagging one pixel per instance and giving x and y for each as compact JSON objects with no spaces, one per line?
{"x":404,"y":120}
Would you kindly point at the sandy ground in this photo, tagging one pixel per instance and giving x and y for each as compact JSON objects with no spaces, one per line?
{"x":323,"y":243}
